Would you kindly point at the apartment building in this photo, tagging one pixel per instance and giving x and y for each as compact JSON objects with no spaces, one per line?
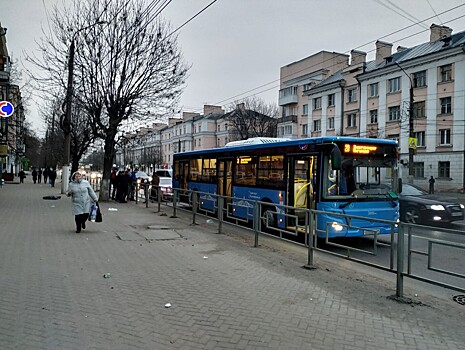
{"x":11,"y":128}
{"x":373,"y":98}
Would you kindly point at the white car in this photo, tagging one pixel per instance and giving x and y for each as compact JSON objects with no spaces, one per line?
{"x":166,"y":186}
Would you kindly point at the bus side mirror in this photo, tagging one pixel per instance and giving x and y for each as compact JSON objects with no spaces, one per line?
{"x":399,"y":186}
{"x":336,"y":158}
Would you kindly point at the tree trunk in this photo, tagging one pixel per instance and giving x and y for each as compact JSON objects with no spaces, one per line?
{"x":109,"y":147}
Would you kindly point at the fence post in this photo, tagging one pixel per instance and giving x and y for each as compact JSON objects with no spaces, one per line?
{"x":137,"y":192}
{"x":220,"y":213}
{"x":159,"y":197}
{"x":256,"y":221}
{"x":194,"y":206}
{"x":400,"y":262}
{"x":310,"y":222}
{"x":146,"y":194}
{"x":175,"y":195}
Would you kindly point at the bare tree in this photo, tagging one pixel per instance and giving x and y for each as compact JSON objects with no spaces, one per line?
{"x":252,"y":117}
{"x":127,"y":64}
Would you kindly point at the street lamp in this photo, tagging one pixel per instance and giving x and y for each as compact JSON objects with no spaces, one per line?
{"x":69,"y":102}
{"x":410,"y":127}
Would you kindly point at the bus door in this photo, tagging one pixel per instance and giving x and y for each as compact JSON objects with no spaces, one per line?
{"x":302,"y":174}
{"x":225,"y":180}
{"x":181,"y":177}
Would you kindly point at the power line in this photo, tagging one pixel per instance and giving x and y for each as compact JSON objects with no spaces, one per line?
{"x":346,"y":52}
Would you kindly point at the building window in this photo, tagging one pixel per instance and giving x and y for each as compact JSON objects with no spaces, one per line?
{"x":373,"y":90}
{"x":287,"y":129}
{"x":419,"y":110}
{"x":374,"y":116}
{"x":419,"y":79}
{"x":446,"y":72}
{"x":317,"y":125}
{"x":444,"y":170}
{"x":305,"y":109}
{"x":446,"y":105}
{"x":419,"y":169}
{"x":200,"y":128}
{"x":394,"y":84}
{"x":304,"y":129}
{"x":420,"y":136}
{"x":331,"y":100}
{"x":352,"y":95}
{"x":394,"y":113}
{"x":331,"y":123}
{"x":444,"y":137}
{"x":219,"y":127}
{"x":317,"y":103}
{"x":394,"y":137}
{"x":351,"y":120}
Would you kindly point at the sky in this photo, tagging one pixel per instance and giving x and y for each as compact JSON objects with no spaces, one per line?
{"x":237,"y":47}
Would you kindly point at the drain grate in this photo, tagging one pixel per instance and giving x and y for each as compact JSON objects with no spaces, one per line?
{"x":459,"y":299}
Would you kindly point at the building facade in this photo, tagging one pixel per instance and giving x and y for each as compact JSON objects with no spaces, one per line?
{"x":418,"y":91}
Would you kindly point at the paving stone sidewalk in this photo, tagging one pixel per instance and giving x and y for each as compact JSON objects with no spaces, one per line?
{"x":224,"y":294}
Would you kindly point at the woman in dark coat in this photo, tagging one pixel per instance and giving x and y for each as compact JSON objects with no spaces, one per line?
{"x":81,"y":194}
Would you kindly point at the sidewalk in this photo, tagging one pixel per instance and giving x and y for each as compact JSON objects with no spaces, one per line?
{"x":224,"y":294}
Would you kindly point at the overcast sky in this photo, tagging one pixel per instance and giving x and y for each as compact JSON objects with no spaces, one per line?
{"x":236,"y":46}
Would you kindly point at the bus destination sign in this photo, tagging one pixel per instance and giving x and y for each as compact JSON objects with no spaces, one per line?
{"x":353,"y":148}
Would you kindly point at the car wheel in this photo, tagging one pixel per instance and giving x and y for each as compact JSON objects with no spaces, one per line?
{"x":412,"y":215}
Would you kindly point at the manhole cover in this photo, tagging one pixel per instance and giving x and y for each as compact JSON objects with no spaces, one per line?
{"x":459,"y":299}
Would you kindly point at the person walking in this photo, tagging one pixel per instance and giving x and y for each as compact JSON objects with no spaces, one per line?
{"x":431,"y":184}
{"x":34,"y":175}
{"x":45,"y":173}
{"x":52,"y":175}
{"x":155,"y":186}
{"x":81,"y":194}
{"x":22,"y":176}
{"x":39,"y":175}
{"x":114,"y":182}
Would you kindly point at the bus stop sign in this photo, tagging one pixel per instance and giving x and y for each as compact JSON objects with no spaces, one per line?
{"x":6,"y":109}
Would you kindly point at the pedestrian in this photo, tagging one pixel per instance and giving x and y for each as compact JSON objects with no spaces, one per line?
{"x":132,"y":184}
{"x":39,"y":175}
{"x":113,"y":182}
{"x":22,"y":176}
{"x":155,"y":186}
{"x":123,"y":185}
{"x":81,"y":194}
{"x":45,"y":173}
{"x":431,"y":184}
{"x":52,"y":176}
{"x":34,"y":175}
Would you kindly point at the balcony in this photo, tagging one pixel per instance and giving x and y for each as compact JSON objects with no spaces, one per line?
{"x":288,"y":95}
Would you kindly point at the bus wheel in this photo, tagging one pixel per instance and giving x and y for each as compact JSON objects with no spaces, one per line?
{"x":268,"y":217}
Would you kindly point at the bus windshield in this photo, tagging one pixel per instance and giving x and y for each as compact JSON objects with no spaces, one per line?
{"x":359,"y":178}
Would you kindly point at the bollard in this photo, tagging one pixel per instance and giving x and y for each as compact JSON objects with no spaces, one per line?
{"x":137,"y":193}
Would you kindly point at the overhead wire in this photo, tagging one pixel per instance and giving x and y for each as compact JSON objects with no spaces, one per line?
{"x":346,"y":52}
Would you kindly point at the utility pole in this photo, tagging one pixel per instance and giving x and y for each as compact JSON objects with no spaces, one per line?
{"x":411,"y":134}
{"x":410,"y":127}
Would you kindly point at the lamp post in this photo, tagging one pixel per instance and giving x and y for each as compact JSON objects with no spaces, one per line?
{"x":410,"y":127}
{"x":69,"y":103}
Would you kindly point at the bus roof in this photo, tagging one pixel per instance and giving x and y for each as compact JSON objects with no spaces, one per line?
{"x":285,"y":142}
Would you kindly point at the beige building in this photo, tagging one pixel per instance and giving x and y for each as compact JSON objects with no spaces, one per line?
{"x":372,"y":99}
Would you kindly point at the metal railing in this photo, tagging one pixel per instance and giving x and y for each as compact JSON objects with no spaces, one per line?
{"x":399,"y":243}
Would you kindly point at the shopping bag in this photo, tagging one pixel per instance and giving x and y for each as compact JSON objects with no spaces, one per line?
{"x":98,"y":217}
{"x":93,"y":213}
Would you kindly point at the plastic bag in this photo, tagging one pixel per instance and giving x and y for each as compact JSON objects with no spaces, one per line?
{"x":93,"y":213}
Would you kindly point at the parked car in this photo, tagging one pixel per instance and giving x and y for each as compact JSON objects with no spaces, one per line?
{"x":142,"y":177}
{"x":419,"y":207}
{"x":166,"y":187}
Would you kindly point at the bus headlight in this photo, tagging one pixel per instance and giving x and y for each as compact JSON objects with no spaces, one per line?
{"x":336,"y":226}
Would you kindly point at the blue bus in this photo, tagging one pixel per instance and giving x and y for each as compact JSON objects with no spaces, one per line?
{"x":343,"y":175}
